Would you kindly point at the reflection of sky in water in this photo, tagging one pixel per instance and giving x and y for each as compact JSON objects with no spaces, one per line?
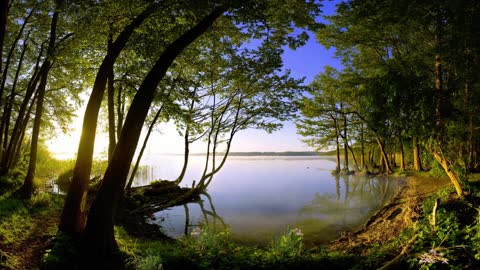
{"x":259,"y":197}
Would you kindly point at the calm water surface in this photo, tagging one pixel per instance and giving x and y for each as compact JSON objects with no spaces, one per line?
{"x":259,"y":197}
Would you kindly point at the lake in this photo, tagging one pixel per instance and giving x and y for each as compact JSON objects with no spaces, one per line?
{"x":259,"y":197}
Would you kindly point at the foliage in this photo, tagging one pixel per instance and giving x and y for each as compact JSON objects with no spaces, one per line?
{"x":452,"y":242}
{"x":61,"y":255}
{"x":207,"y":248}
{"x":289,"y":245}
{"x":64,"y":179}
{"x":9,"y":183}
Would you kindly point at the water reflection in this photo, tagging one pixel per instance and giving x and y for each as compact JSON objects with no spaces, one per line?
{"x":259,"y":198}
{"x":209,"y":216}
{"x":355,"y":199}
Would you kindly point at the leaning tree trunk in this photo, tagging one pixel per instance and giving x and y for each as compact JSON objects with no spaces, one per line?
{"x":186,"y":142}
{"x":99,"y":237}
{"x":22,"y":117}
{"x":440,"y":158}
{"x":73,"y":217}
{"x":9,"y":103}
{"x":186,"y":154}
{"x":436,"y":150}
{"x":384,"y":156}
{"x":27,"y":188}
{"x":142,"y":150}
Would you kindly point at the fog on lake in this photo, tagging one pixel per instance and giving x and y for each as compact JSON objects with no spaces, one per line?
{"x":259,"y":197}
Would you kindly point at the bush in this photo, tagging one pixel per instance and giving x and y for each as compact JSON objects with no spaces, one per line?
{"x":61,"y":255}
{"x":436,"y":169}
{"x":9,"y":183}
{"x":64,"y":179}
{"x":40,"y":200}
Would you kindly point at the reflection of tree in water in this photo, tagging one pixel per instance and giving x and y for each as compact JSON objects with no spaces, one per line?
{"x":210,"y":217}
{"x":355,"y":198}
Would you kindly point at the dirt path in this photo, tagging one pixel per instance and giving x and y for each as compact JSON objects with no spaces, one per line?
{"x":28,"y":253}
{"x":396,"y":216}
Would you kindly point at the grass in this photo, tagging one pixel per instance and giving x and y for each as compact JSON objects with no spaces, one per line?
{"x":215,"y":249}
{"x":24,"y":228}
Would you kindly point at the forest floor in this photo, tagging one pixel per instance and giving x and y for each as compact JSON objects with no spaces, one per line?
{"x":24,"y":248}
{"x":27,"y":231}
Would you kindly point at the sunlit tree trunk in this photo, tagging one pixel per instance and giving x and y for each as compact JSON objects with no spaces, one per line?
{"x":99,"y":238}
{"x":436,"y":151}
{"x":440,"y":158}
{"x":417,"y":162}
{"x":73,"y":217}
{"x":383,"y":156}
{"x":402,"y":154}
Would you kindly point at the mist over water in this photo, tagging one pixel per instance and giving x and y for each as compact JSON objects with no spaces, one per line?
{"x":258,"y":197}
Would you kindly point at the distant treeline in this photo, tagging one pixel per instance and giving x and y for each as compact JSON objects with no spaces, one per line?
{"x":287,"y":153}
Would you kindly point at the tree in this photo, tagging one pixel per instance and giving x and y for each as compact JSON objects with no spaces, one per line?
{"x":27,"y":188}
{"x":99,"y":229}
{"x":74,"y":212}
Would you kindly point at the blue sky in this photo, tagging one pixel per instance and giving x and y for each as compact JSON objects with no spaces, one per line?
{"x":306,"y":61}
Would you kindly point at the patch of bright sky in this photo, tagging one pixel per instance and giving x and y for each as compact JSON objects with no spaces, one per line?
{"x":306,"y":61}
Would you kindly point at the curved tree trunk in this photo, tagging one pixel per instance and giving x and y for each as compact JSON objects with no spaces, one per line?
{"x":99,"y":238}
{"x":73,"y":217}
{"x":440,"y":158}
{"x":144,"y":145}
{"x":384,"y":156}
{"x":185,"y":155}
{"x":186,"y":141}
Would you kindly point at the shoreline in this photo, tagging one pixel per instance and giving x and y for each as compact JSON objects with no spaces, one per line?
{"x":395,"y":216}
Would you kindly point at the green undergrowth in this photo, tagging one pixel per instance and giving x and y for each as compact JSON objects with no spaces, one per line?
{"x":453,"y":242}
{"x":19,"y":223}
{"x":450,"y":241}
{"x":216,"y":249}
